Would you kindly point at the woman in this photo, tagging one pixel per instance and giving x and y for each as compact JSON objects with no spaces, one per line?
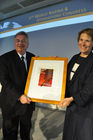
{"x":79,"y":91}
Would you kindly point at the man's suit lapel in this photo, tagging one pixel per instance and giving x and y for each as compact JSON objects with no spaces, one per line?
{"x":17,"y":58}
{"x":19,"y":65}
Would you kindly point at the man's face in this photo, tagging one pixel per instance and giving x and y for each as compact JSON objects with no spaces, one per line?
{"x":21,"y":44}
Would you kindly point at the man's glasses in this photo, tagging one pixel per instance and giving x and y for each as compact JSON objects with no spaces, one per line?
{"x":21,"y":41}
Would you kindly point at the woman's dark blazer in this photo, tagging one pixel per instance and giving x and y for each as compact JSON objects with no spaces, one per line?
{"x":79,"y":115}
{"x":13,"y":80}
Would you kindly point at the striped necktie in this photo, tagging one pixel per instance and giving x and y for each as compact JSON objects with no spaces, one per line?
{"x":23,"y":62}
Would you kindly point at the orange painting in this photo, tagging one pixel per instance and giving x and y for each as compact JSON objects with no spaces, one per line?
{"x":46,"y":77}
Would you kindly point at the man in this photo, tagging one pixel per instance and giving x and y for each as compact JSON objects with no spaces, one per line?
{"x":16,"y":107}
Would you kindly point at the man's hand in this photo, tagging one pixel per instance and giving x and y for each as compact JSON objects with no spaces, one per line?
{"x":24,"y":99}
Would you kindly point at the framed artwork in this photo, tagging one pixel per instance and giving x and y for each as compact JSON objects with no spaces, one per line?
{"x":46,"y":79}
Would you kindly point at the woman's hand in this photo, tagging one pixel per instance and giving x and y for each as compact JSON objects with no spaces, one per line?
{"x":66,"y":102}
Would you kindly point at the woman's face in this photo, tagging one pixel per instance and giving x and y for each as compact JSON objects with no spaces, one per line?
{"x":85,"y":44}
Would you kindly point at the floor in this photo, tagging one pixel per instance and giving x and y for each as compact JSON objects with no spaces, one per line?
{"x":47,"y":124}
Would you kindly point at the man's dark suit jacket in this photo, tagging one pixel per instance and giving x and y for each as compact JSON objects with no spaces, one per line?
{"x":13,"y":80}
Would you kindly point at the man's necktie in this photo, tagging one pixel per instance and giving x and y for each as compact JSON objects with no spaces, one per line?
{"x":23,"y":62}
{"x":23,"y":67}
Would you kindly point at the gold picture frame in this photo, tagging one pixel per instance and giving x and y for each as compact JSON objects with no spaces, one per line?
{"x":46,"y":81}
